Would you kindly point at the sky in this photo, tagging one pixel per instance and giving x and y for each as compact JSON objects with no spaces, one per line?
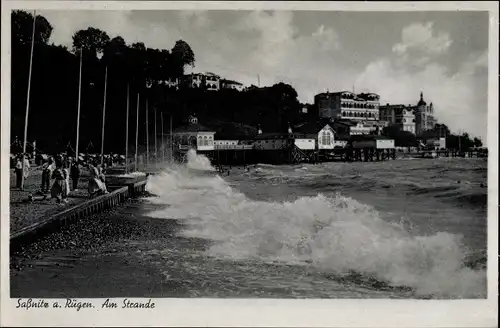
{"x":395,"y":54}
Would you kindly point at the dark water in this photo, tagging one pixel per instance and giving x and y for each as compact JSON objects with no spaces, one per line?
{"x":398,"y":229}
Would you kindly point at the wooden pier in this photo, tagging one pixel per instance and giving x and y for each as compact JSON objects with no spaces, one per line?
{"x":471,"y":153}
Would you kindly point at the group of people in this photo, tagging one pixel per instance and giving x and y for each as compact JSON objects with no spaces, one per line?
{"x":61,"y":170}
{"x":56,"y":174}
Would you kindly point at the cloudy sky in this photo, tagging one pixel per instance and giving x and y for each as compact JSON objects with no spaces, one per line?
{"x":394,"y":54}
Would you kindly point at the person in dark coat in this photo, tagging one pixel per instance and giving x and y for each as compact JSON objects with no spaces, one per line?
{"x":75,"y":174}
{"x":19,"y":171}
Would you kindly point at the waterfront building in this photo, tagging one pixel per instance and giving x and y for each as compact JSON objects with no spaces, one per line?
{"x":320,"y":131}
{"x":348,"y":106}
{"x":207,"y":80}
{"x":374,"y":142}
{"x":193,"y":135}
{"x":229,"y":84}
{"x":348,"y":127}
{"x":424,"y":116}
{"x":273,"y":141}
{"x":400,"y":115}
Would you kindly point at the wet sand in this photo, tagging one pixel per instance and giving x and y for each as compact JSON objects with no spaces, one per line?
{"x":24,"y":213}
{"x":89,"y":258}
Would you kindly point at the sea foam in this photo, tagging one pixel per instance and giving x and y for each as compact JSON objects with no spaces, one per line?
{"x":337,"y":235}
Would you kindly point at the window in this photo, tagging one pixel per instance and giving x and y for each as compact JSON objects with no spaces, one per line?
{"x":325,"y":138}
{"x":205,"y":141}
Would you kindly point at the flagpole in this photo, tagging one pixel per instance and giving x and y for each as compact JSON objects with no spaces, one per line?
{"x":156,"y":146}
{"x":147,"y":133}
{"x":162,"y":138}
{"x":104,"y":115}
{"x":126,"y":129}
{"x":137,"y":132}
{"x":28,"y":98}
{"x":171,"y":142}
{"x":79,"y":105}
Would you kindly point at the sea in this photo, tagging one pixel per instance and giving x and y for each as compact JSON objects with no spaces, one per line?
{"x":406,"y":228}
{"x":397,"y":229}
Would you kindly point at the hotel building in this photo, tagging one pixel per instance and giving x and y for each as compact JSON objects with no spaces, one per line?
{"x":208,"y":80}
{"x":400,"y":115}
{"x":229,"y":84}
{"x":348,"y":105}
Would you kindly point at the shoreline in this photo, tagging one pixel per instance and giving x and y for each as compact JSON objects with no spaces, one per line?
{"x":47,"y":217}
{"x":70,"y":254}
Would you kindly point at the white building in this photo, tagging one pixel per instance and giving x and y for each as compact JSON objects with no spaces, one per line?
{"x":348,"y":105}
{"x":424,"y":116}
{"x":207,"y":80}
{"x":360,"y":129}
{"x":400,"y":115}
{"x":193,"y":135}
{"x":305,"y":143}
{"x":321,"y":132}
{"x":229,"y":84}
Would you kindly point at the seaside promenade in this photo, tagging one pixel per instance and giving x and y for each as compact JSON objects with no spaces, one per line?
{"x":30,"y":218}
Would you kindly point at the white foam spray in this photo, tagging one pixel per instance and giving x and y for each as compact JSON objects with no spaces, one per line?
{"x":337,"y":234}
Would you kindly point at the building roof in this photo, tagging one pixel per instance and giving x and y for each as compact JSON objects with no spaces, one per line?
{"x":230,"y":82}
{"x":311,"y":127}
{"x":273,"y":135}
{"x":344,"y":122}
{"x":230,"y":136}
{"x":421,"y":101}
{"x":191,"y":128}
{"x":365,"y":96}
{"x":367,"y":137}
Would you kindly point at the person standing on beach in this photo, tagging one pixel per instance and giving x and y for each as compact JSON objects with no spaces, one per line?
{"x":58,"y":189}
{"x":19,"y":171}
{"x":20,"y":174}
{"x":66,"y":176}
{"x":48,"y":168}
{"x":26,"y":167}
{"x":75,"y":174}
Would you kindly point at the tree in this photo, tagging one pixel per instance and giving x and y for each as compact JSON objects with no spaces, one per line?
{"x":477,"y":142}
{"x":401,"y":138}
{"x":22,"y":28}
{"x":181,"y":55}
{"x":92,"y":39}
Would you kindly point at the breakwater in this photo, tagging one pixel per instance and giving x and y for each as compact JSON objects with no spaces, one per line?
{"x":132,"y":188}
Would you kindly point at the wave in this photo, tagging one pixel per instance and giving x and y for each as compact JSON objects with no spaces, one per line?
{"x":338,"y":235}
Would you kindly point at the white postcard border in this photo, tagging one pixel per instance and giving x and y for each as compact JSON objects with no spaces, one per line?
{"x":264,"y":312}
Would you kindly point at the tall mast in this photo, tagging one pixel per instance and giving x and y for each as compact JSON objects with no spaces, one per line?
{"x":126,"y":129}
{"x":79,"y":105}
{"x":156,"y":144}
{"x":171,"y":142}
{"x":137,"y":133}
{"x":162,"y":138}
{"x":28,"y":98}
{"x":147,"y":133}
{"x":104,"y":115}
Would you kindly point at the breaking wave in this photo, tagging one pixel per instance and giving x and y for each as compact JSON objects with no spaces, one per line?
{"x":336,"y":235}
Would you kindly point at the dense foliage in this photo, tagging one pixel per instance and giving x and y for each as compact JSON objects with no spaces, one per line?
{"x":54,"y":90}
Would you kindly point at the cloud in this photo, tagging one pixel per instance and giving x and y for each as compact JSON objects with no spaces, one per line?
{"x":420,"y":37}
{"x":312,"y":56}
{"x":460,"y":99}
